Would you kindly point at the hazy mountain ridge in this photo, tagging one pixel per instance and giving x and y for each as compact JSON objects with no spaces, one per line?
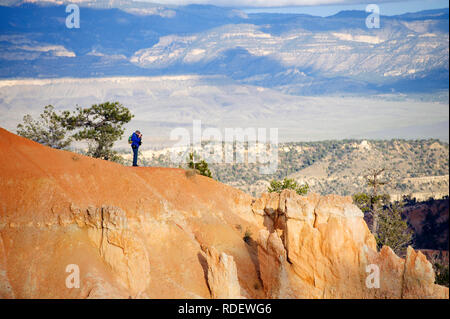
{"x":165,"y":102}
{"x":297,"y":54}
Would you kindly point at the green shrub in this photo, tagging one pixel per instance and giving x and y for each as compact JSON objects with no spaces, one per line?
{"x":441,"y":274}
{"x":201,"y":166}
{"x":393,"y":231}
{"x":287,"y":183}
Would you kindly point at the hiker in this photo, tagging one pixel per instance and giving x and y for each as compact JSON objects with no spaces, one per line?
{"x":135,"y":140}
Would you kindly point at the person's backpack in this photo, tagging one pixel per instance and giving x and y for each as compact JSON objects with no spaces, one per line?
{"x":130,"y":141}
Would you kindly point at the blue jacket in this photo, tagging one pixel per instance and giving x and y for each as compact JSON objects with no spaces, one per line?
{"x":136,"y":140}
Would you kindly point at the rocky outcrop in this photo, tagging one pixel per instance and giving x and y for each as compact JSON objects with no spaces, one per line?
{"x":418,"y":278}
{"x":120,"y":247}
{"x":222,"y":275}
{"x":122,"y":232}
{"x":321,"y":248}
{"x":273,"y":266}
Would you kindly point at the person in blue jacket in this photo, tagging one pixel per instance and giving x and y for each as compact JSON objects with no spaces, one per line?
{"x":136,"y":141}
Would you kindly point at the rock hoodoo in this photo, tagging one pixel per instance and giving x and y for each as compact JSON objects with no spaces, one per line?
{"x":320,"y":247}
{"x":159,"y":233}
{"x":222,"y":275}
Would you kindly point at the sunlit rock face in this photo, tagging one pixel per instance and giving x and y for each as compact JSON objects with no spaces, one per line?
{"x":320,"y":247}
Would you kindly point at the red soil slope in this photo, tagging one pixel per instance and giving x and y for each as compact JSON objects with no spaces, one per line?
{"x":38,"y":185}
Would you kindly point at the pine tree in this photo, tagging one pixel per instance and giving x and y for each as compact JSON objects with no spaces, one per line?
{"x":200,"y":166}
{"x":287,"y":183}
{"x":393,"y":231}
{"x":47,"y":129}
{"x":101,"y":125}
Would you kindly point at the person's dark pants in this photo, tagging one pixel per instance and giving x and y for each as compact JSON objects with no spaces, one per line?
{"x":135,"y":155}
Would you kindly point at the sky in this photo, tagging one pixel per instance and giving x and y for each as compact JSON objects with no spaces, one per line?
{"x":317,"y":7}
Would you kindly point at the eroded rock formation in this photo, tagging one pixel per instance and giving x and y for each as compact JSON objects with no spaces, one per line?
{"x":162,"y":233}
{"x":222,"y":275}
{"x":321,"y":248}
{"x":120,"y":247}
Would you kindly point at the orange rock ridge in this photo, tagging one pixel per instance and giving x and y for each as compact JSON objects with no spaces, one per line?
{"x":159,"y":233}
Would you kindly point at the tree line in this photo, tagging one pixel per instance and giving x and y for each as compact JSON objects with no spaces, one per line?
{"x":100,"y":125}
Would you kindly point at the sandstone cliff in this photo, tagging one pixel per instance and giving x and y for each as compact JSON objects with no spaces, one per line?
{"x":159,"y":233}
